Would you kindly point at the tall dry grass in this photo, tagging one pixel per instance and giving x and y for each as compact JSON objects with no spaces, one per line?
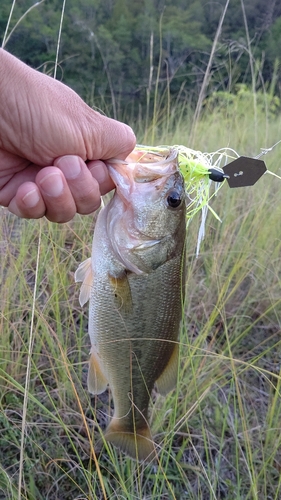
{"x":218,"y":433}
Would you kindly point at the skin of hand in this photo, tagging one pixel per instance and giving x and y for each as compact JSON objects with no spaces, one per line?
{"x":53,"y":146}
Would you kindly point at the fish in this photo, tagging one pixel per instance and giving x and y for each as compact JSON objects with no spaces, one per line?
{"x":135,"y":284}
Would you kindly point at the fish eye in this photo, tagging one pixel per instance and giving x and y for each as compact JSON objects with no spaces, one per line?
{"x":174,"y":199}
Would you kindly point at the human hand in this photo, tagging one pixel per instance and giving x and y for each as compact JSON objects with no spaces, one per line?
{"x":53,"y":147}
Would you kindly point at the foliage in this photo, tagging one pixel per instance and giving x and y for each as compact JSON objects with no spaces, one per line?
{"x":218,"y":433}
{"x":242,"y":101}
{"x":120,"y":55}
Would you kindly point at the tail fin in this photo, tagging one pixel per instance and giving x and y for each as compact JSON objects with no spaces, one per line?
{"x":138,"y":445}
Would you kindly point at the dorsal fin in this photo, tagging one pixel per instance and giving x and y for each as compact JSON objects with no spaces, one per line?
{"x":84,"y":273}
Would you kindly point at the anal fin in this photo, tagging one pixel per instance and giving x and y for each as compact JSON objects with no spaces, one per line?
{"x":168,"y":378}
{"x":97,"y":382}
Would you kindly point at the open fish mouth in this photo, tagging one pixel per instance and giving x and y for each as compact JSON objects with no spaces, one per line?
{"x":140,"y":168}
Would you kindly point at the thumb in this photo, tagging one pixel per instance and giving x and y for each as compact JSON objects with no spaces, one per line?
{"x":110,"y":139}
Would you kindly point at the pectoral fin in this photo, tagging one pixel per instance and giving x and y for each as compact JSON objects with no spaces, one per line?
{"x":84,"y":273}
{"x":122,"y":292}
{"x":168,"y":379}
{"x":97,"y":382}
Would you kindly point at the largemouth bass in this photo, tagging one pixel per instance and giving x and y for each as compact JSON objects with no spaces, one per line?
{"x":135,"y":284}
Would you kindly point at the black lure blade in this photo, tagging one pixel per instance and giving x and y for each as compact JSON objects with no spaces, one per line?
{"x":244,"y":171}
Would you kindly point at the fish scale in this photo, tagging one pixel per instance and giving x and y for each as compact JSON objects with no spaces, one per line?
{"x":136,"y":293}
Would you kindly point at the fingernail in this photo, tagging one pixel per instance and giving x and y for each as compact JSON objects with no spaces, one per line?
{"x":70,"y":166}
{"x":31,"y":199}
{"x":52,"y":184}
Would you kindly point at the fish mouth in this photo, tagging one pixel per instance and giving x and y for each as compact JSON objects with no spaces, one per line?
{"x":122,"y":175}
{"x":140,"y":168}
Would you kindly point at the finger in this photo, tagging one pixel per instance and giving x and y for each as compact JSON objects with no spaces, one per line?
{"x":13,"y":175}
{"x":84,"y":187}
{"x":99,"y":171}
{"x":28,"y":202}
{"x":59,"y":202}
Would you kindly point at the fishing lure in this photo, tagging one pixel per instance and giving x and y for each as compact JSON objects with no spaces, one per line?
{"x":202,"y":171}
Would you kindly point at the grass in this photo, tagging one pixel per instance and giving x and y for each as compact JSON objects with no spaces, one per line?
{"x":219,"y":432}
